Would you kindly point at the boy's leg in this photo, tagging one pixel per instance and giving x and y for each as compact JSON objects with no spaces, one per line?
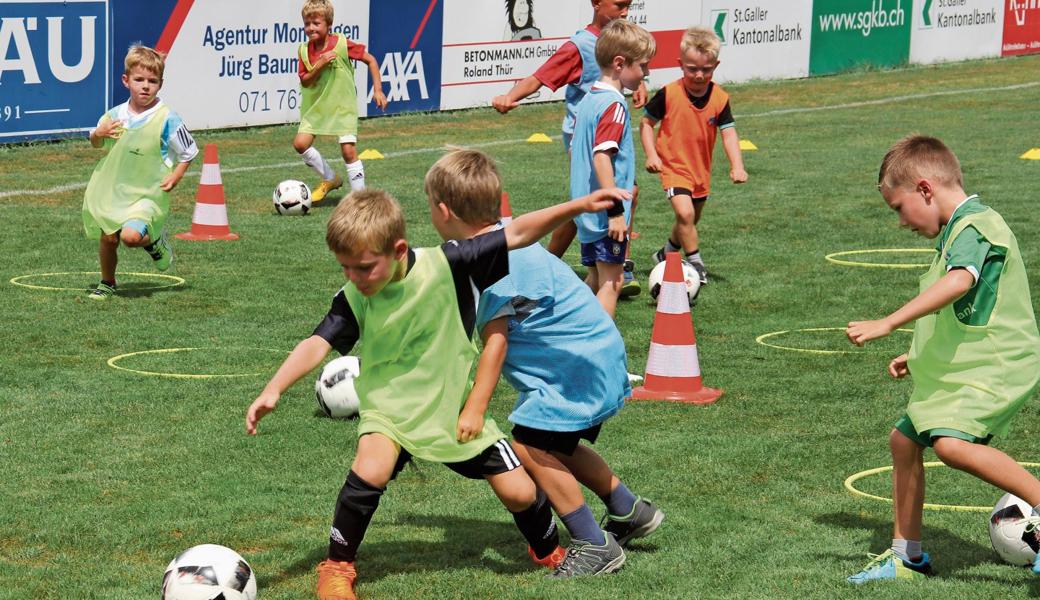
{"x":355,"y":168}
{"x":108,"y":256}
{"x":562,"y":238}
{"x":304,"y":145}
{"x":136,"y":234}
{"x":990,"y":465}
{"x":610,"y":278}
{"x":564,"y":493}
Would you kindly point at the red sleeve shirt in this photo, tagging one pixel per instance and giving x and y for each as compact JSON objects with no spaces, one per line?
{"x":564,"y":67}
{"x":610,"y":128}
{"x":354,"y":51}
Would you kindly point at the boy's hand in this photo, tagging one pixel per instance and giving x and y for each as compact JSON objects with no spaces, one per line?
{"x":861,"y":332}
{"x":654,"y":165}
{"x":616,"y":228}
{"x":738,"y":175}
{"x":263,"y":404}
{"x":471,"y":423}
{"x":640,"y":96}
{"x":897,"y":368}
{"x":602,"y":199}
{"x":503,"y":104}
{"x":169,"y":182}
{"x":380,"y":99}
{"x":110,"y":129}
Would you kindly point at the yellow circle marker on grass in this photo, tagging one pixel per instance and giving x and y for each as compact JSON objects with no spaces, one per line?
{"x":766,"y":336}
{"x":170,"y":278}
{"x":833,"y":258}
{"x":851,"y":479}
{"x":115,"y":359}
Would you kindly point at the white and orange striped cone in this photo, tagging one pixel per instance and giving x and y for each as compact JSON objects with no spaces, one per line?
{"x":504,"y":210}
{"x":673,"y":372}
{"x":209,"y":221}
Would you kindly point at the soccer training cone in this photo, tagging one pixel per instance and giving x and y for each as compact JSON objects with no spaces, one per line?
{"x":504,"y":209}
{"x":673,"y":372}
{"x":209,"y":221}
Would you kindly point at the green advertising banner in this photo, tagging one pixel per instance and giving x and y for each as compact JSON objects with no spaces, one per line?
{"x":850,"y":33}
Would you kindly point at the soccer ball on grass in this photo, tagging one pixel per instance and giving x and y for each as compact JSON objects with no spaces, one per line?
{"x":690,"y":275}
{"x":209,"y":572}
{"x":1012,"y":532}
{"x":292,"y":197}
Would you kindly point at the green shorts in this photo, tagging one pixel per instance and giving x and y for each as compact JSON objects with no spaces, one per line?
{"x":927,"y":438}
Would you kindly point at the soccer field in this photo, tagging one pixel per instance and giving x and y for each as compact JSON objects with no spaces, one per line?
{"x":109,"y":473}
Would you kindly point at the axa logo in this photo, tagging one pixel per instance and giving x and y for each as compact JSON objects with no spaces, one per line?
{"x":719,"y":23}
{"x":16,"y":54}
{"x":1018,"y":8}
{"x":399,"y":69}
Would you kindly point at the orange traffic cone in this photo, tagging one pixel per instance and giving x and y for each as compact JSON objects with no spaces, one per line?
{"x":673,"y":372}
{"x":209,"y":221}
{"x":504,"y":210}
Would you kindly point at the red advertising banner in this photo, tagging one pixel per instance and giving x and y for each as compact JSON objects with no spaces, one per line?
{"x":1021,"y":27}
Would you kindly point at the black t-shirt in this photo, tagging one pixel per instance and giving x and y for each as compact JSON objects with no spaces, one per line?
{"x":655,"y":109}
{"x":476,"y":264}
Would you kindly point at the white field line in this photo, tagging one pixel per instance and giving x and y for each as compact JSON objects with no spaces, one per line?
{"x":770,"y":113}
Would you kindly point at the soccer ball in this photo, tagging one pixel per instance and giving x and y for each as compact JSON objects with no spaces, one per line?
{"x":334,"y":388}
{"x":292,"y":197}
{"x":209,"y":572}
{"x":1007,"y":531}
{"x":693,"y":281}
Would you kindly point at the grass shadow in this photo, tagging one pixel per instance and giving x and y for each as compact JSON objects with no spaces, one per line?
{"x":146,"y":290}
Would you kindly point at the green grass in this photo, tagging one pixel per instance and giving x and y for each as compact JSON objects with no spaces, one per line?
{"x":108,"y":474}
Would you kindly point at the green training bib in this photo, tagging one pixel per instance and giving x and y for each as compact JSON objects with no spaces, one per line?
{"x":329,"y":105}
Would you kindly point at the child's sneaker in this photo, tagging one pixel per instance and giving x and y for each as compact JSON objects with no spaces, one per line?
{"x":644,"y":519}
{"x":551,"y":561}
{"x":889,"y":566}
{"x":584,"y":558}
{"x":326,"y":186}
{"x":102,"y":291}
{"x":629,"y":287}
{"x":702,"y":271}
{"x":336,"y":580}
{"x":161,"y":252}
{"x":658,"y":257}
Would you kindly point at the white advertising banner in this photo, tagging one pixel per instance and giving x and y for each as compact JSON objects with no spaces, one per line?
{"x":946,"y":30}
{"x":234,"y":62}
{"x":489,"y":45}
{"x":761,"y":39}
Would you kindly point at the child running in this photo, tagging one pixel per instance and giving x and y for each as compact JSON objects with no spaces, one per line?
{"x":975,"y":355}
{"x":147,"y":151}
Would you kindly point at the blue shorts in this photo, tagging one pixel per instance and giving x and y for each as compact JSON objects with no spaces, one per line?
{"x":604,"y":250}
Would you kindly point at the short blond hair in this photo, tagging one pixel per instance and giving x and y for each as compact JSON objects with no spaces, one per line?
{"x":322,"y":8}
{"x":145,"y":58}
{"x":700,"y":39}
{"x":625,"y":39}
{"x":467,"y":182}
{"x":917,"y":157}
{"x":369,"y":219}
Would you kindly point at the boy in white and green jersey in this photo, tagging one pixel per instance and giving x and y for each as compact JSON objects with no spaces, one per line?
{"x":328,"y":103}
{"x":414,"y":312}
{"x":975,"y":355}
{"x":148,"y":150}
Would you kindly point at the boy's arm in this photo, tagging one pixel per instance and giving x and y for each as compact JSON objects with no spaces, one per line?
{"x":107,"y":128}
{"x":528,"y":228}
{"x":649,"y":141}
{"x":307,"y":79}
{"x":640,"y":95}
{"x":377,"y":82}
{"x":953,"y":285}
{"x":307,"y":355}
{"x":604,"y":168}
{"x":489,"y":368}
{"x":170,"y":181}
{"x":511,"y":99}
{"x":731,"y":144}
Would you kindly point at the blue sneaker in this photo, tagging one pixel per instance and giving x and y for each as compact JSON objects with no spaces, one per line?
{"x":630,"y":287}
{"x":889,"y":566}
{"x":1032,"y":523}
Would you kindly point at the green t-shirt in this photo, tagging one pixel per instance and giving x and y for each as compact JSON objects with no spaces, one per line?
{"x":972,"y":251}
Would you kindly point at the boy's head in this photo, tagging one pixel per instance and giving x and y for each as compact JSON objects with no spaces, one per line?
{"x":917,"y":174}
{"x":698,"y":57}
{"x":605,"y":11}
{"x":463,"y":186}
{"x":625,"y":49}
{"x":320,"y":9}
{"x":366,"y":233}
{"x":143,"y":75}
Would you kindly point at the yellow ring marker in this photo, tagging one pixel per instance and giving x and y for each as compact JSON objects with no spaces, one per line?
{"x":765,"y":336}
{"x":176,"y":280}
{"x":832,"y":257}
{"x":928,"y":465}
{"x":112,"y":363}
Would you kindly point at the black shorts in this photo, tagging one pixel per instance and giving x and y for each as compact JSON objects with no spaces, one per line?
{"x":564,"y":442}
{"x":678,"y":191}
{"x":495,"y":459}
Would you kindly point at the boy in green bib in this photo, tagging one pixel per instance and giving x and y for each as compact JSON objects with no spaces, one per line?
{"x":328,"y":104}
{"x":147,"y":151}
{"x":975,"y":354}
{"x":415,"y":312}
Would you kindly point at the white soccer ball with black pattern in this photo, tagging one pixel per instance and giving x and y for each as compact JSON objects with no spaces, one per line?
{"x":693,"y":280}
{"x":1012,"y":532}
{"x":292,"y":197}
{"x":334,"y":388}
{"x":209,"y":572}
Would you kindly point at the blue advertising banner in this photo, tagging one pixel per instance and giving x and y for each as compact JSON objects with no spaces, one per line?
{"x":54,"y":67}
{"x":405,"y":36}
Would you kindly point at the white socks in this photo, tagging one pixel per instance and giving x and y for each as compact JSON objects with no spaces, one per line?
{"x":356,"y":175}
{"x":907,"y":549}
{"x":312,"y":158}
